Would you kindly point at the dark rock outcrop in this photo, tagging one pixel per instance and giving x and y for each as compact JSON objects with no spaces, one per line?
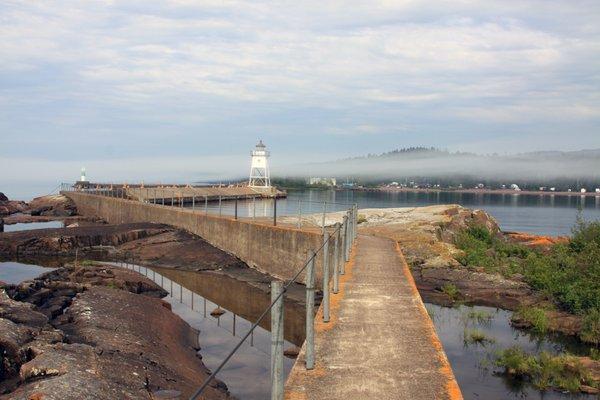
{"x":52,"y":205}
{"x":67,"y":240}
{"x":8,"y":207}
{"x":99,"y":342}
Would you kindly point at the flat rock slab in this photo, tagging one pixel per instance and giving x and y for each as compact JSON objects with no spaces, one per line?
{"x":380,"y":342}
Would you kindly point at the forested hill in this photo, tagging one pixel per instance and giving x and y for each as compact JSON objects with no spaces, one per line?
{"x":431,"y":164}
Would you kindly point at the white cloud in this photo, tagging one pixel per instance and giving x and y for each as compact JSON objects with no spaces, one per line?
{"x":216,"y":71}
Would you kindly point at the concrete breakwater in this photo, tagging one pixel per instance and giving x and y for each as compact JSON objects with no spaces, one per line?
{"x":277,"y":250}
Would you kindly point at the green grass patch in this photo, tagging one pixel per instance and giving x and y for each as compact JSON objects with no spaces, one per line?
{"x":545,"y":371}
{"x":361,"y":219}
{"x":534,"y":316}
{"x":450,"y":290}
{"x":476,"y":336}
{"x":87,"y":263}
{"x":479,"y":316}
{"x":590,"y":331}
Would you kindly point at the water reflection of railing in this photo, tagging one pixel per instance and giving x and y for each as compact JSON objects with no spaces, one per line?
{"x":177,"y":291}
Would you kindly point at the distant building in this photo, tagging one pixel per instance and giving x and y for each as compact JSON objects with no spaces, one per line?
{"x":515,"y":187}
{"x":597,"y":190}
{"x":552,"y":189}
{"x":583,"y":190}
{"x":322,"y":181}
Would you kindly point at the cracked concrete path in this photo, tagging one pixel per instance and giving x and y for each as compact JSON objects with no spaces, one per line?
{"x":380,"y":342}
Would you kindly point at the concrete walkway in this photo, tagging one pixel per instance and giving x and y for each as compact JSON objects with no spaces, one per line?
{"x":380,"y":343}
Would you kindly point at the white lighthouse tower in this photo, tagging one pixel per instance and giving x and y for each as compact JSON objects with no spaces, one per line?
{"x":259,"y":169}
{"x":83,"y":178}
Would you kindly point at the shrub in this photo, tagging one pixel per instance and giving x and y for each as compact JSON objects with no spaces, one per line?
{"x":590,"y":331}
{"x":569,"y":274}
{"x":475,"y":336}
{"x":361,"y":219}
{"x":514,"y":361}
{"x":534,"y":316}
{"x":563,"y":371}
{"x":451,"y":291}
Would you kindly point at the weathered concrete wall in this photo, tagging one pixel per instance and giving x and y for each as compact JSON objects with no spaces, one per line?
{"x":278,"y":251}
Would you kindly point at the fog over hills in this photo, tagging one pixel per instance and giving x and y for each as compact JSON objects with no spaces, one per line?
{"x":432,"y":164}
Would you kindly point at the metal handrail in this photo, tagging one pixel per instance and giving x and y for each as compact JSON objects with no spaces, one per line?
{"x":348,"y":235}
{"x":260,"y":318}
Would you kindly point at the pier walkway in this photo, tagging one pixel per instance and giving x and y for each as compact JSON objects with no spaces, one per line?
{"x":380,"y":342}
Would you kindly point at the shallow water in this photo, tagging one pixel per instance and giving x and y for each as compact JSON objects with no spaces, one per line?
{"x":33,"y":225}
{"x":16,"y":272}
{"x":473,"y":363}
{"x":247,"y":374}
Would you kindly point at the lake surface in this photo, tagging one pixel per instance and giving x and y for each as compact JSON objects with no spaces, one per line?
{"x":544,"y":215}
{"x":16,"y":272}
{"x":33,"y":225}
{"x":473,"y":364}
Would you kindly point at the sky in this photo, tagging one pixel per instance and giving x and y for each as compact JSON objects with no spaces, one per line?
{"x":182,"y":90}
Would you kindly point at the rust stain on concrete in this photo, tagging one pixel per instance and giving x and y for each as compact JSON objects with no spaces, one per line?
{"x":452,"y":387}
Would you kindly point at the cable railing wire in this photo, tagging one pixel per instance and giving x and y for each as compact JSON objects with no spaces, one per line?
{"x":260,"y":318}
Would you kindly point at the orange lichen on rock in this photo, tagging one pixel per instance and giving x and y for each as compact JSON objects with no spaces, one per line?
{"x":531,"y":240}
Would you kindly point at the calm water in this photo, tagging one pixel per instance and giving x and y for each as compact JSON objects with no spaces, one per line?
{"x":33,"y":225}
{"x":545,"y":215}
{"x":247,"y":374}
{"x":16,"y":272}
{"x":473,"y":364}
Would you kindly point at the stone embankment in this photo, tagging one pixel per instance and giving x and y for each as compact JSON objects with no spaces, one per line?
{"x":95,"y":332}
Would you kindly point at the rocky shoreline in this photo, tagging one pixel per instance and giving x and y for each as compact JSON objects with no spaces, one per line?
{"x":426,"y":236}
{"x":95,"y":332}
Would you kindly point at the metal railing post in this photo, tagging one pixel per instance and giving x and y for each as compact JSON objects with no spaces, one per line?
{"x":193,"y":202}
{"x":254,"y":207}
{"x":324,"y":213}
{"x":336,"y":259}
{"x":299,"y":214}
{"x":343,"y":245}
{"x":355,"y":221}
{"x":205,"y":205}
{"x":310,"y":312}
{"x":220,"y":206}
{"x":325,"y":277}
{"x":274,"y":211}
{"x":236,"y":208}
{"x":348,"y":238}
{"x":277,"y":341}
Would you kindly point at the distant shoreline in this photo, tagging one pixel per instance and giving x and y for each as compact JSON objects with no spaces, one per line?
{"x":480,"y":191}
